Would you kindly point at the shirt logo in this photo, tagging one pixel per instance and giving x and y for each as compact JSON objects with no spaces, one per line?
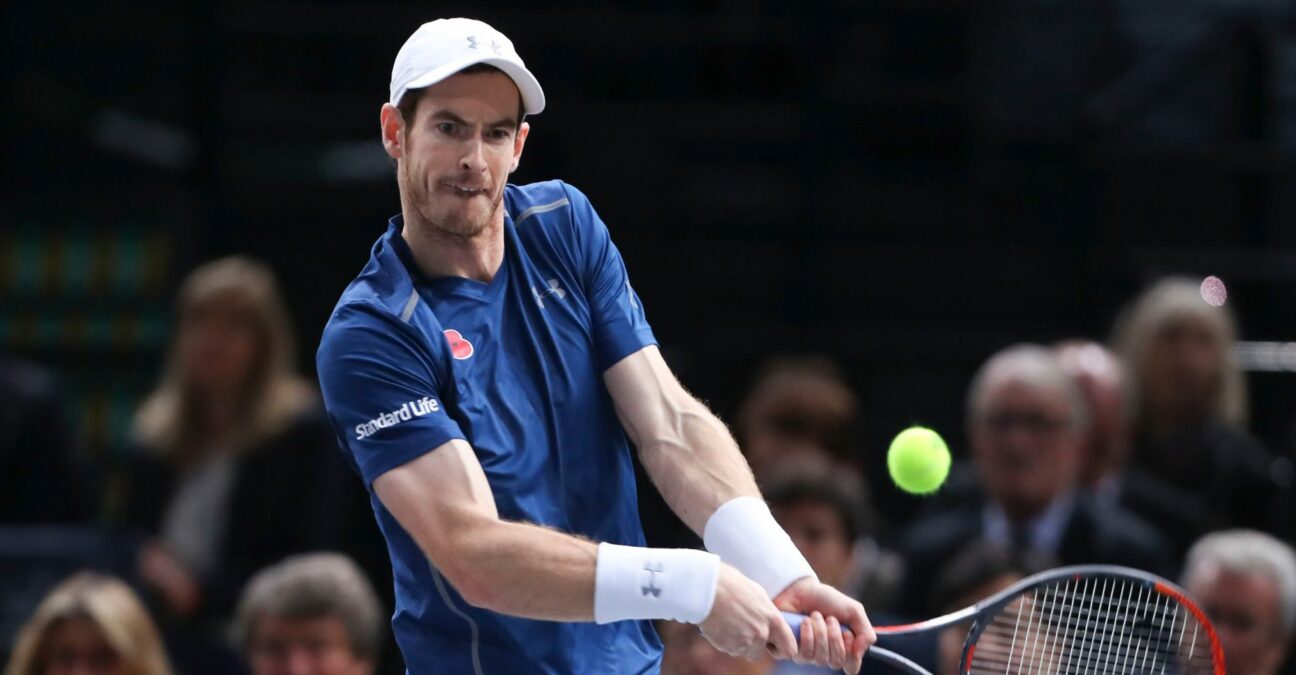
{"x":554,"y":289}
{"x":460,"y":347}
{"x":408,"y":411}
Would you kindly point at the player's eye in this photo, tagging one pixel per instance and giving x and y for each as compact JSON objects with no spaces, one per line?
{"x":499,"y":134}
{"x":448,"y":128}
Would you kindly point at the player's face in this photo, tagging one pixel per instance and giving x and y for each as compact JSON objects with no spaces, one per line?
{"x":76,"y":647}
{"x":318,"y":646}
{"x":1244,"y":609}
{"x":1027,"y":449}
{"x":821,"y":537}
{"x":455,"y":156}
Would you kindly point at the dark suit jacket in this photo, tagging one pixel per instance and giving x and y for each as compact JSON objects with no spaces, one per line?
{"x":1181,"y":517}
{"x":1241,"y":482}
{"x":1093,"y":535}
{"x":285,"y":499}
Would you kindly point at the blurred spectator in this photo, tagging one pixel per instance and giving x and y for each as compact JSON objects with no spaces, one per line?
{"x":89,"y":625}
{"x":236,"y":467}
{"x":825,"y":511}
{"x":687,"y":652}
{"x":976,"y":573}
{"x":1026,"y":423}
{"x":1190,"y":406}
{"x":1104,"y":459}
{"x":41,"y":481}
{"x":797,"y":407}
{"x":312,"y":614}
{"x":1246,"y":582}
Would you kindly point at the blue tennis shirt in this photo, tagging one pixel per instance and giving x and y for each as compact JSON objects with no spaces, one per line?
{"x":514,"y":367}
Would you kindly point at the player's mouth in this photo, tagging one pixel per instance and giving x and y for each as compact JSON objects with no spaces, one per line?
{"x":462,"y":190}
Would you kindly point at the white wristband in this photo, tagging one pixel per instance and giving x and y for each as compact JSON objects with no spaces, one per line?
{"x":633,"y":582}
{"x":744,"y":533}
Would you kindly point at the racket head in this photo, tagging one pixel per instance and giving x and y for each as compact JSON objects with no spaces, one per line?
{"x":1092,"y":618}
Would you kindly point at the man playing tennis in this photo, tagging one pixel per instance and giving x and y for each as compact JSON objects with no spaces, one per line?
{"x":483,"y":373}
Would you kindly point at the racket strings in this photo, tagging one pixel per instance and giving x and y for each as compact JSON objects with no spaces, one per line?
{"x":1092,"y":626}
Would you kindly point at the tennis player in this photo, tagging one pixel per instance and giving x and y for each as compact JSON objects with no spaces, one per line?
{"x":483,"y":373}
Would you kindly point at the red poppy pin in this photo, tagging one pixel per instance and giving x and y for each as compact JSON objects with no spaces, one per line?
{"x":460,"y":347}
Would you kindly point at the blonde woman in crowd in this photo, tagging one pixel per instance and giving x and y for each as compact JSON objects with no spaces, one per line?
{"x":1189,"y":403}
{"x":235,"y":467}
{"x":89,"y":625}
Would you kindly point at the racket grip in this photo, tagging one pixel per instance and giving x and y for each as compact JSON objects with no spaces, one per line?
{"x":795,"y":620}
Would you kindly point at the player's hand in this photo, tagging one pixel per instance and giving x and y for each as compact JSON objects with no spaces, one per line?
{"x":822,"y":640}
{"x":743,"y":622}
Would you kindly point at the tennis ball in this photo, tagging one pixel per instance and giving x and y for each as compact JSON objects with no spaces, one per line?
{"x":918,"y":460}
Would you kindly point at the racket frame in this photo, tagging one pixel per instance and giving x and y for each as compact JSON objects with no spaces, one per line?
{"x":988,"y":608}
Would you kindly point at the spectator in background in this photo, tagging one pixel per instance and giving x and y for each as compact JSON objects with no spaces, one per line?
{"x":1026,"y":423}
{"x":1104,"y":458}
{"x":312,"y":614}
{"x":976,"y":573}
{"x":825,"y":511}
{"x":1246,"y":583}
{"x":89,"y":625}
{"x":236,"y":467}
{"x":41,"y":480}
{"x":798,"y":407}
{"x":1190,"y":406}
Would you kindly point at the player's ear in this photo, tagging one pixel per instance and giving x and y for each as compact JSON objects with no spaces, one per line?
{"x":392,"y":125}
{"x":518,"y":142}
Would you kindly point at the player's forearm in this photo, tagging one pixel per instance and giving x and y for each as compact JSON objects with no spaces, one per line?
{"x":524,"y":570}
{"x":534,"y":572}
{"x":695,"y":462}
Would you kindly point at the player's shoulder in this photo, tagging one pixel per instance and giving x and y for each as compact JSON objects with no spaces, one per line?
{"x":544,"y":202}
{"x":380,"y":299}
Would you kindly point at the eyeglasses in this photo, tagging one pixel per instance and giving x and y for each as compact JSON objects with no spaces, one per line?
{"x":1039,"y":424}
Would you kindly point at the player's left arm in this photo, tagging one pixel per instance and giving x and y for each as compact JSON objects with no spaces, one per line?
{"x":694,"y":461}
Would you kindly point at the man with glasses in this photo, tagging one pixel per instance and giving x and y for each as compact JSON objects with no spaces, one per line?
{"x":1026,"y":423}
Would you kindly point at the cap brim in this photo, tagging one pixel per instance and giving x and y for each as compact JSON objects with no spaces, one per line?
{"x":533,"y":98}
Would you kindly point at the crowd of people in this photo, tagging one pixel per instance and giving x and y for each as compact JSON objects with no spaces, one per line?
{"x":254,"y":548}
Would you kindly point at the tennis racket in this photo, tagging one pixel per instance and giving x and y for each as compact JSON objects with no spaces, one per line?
{"x":1083,"y":620}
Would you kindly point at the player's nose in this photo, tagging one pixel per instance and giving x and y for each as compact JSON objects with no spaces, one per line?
{"x":474,"y":156}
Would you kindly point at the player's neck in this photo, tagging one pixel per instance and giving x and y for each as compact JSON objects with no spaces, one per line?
{"x":443,"y":254}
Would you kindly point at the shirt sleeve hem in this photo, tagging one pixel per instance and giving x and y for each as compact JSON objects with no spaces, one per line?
{"x":380,"y":464}
{"x":616,"y":348}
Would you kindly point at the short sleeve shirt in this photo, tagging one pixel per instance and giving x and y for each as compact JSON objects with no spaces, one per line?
{"x":514,"y":367}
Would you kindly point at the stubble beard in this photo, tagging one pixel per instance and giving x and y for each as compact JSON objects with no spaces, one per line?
{"x":450,"y":223}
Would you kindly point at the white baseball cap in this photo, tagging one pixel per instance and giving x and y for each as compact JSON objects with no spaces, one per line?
{"x":441,"y":48}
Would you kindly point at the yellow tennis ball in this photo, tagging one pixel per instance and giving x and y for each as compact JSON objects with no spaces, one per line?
{"x":918,"y":460}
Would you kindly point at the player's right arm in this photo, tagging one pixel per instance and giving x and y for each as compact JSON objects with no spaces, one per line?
{"x":428,"y":477}
{"x":444,"y":501}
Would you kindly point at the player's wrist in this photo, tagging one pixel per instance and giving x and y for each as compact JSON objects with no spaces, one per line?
{"x":635,"y":582}
{"x":744,"y":534}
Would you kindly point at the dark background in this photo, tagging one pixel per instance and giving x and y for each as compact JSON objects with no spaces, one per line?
{"x":905,"y":185}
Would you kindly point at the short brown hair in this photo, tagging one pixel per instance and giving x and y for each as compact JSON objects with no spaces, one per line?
{"x":408,"y":105}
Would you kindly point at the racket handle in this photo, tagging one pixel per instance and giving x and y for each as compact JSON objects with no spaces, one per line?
{"x":887,"y":656}
{"x":794,"y":621}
